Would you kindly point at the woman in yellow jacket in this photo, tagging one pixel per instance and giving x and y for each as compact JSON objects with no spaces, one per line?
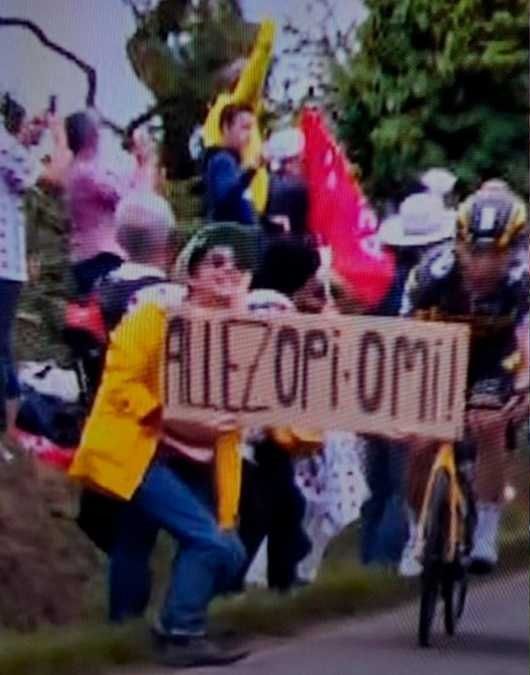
{"x":125,"y":454}
{"x":247,"y":91}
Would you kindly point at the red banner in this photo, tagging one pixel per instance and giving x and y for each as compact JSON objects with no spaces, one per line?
{"x":341,"y":217}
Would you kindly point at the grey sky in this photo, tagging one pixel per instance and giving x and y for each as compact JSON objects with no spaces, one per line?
{"x":97,"y":30}
{"x":307,"y":15}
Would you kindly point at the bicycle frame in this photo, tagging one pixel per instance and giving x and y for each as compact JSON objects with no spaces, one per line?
{"x":445,"y":461}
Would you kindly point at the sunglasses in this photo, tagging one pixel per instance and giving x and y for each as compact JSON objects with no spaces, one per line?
{"x":219,"y":260}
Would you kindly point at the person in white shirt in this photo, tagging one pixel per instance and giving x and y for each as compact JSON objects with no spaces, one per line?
{"x":19,"y":171}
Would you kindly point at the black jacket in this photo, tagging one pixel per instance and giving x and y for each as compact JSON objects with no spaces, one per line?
{"x":288,"y":196}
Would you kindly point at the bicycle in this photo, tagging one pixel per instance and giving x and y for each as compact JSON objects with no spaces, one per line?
{"x":446,"y":528}
{"x":448,"y":518}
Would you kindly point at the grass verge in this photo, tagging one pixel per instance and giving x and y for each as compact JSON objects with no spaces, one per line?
{"x":87,"y":650}
{"x":342,"y":590}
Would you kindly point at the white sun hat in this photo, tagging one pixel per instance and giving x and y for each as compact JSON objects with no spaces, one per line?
{"x":439,"y":181}
{"x":285,"y":144}
{"x":423,"y":219}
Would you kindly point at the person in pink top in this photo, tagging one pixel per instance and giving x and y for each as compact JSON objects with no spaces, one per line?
{"x":92,"y":193}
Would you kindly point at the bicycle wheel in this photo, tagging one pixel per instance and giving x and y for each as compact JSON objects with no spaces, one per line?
{"x":432,"y":576}
{"x":461,"y":598}
{"x":448,"y":593}
{"x":454,"y":595}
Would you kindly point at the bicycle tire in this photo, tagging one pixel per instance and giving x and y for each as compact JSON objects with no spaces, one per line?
{"x":432,"y":575}
{"x":454,"y":595}
{"x":449,"y":602}
{"x":462,"y":597}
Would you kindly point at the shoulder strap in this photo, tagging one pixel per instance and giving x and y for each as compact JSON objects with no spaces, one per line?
{"x":115,"y":297}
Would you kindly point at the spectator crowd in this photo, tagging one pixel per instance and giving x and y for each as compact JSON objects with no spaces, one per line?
{"x":243,"y":505}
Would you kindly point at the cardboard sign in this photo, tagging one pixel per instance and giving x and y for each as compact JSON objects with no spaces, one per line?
{"x":363,"y":374}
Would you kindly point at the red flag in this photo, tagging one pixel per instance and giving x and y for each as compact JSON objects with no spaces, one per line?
{"x":341,"y":217}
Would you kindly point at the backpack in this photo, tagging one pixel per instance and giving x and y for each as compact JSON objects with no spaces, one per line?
{"x":99,"y":513}
{"x":114,"y":296}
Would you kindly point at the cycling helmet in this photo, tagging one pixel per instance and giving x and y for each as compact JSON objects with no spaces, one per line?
{"x":493,"y":215}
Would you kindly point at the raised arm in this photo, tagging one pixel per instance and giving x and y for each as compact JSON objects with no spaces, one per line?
{"x":147,"y":174}
{"x":55,"y":168}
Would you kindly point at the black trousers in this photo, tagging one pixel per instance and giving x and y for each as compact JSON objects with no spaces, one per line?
{"x":272,"y":506}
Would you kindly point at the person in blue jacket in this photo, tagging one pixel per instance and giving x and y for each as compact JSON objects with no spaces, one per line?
{"x":228,"y":195}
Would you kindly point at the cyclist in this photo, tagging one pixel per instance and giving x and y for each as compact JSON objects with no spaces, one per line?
{"x":482,"y":281}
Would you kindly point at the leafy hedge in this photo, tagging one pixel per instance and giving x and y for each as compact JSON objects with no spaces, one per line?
{"x":438,"y":82}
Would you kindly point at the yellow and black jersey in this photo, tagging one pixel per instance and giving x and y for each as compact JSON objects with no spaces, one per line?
{"x":436,"y":291}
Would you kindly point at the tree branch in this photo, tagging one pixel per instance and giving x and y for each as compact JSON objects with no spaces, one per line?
{"x":110,"y":124}
{"x":138,"y":16}
{"x":151,"y":112}
{"x":88,"y":70}
{"x":136,"y":12}
{"x":235,"y":6}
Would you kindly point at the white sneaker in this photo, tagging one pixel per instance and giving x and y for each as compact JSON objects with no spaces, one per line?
{"x":485,"y":554}
{"x":410,"y":565}
{"x":6,"y":455}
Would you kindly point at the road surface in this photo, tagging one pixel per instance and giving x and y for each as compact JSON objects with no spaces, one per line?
{"x":493,"y":639}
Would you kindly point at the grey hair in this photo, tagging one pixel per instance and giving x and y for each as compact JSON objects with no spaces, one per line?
{"x":145,"y":225}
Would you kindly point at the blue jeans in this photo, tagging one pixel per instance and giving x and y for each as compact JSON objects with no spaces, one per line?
{"x":9,"y":388}
{"x":208,"y":561}
{"x":384,"y":529}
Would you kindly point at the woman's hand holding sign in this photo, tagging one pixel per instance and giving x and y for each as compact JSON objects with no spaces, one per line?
{"x":201,"y":434}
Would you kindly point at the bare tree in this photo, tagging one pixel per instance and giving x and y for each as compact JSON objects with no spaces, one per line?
{"x":88,"y":70}
{"x":314,"y":44}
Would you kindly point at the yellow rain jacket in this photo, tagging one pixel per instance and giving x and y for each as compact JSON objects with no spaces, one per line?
{"x":124,"y":428}
{"x":248,"y":91}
